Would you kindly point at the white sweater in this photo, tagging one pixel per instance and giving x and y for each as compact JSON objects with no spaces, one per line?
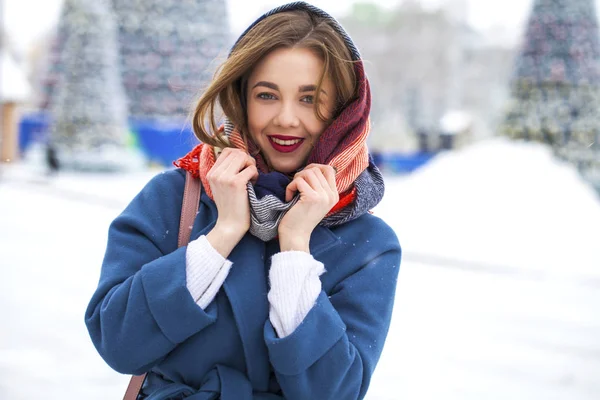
{"x":294,"y":279}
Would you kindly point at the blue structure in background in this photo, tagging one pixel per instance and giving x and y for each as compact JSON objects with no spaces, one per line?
{"x":33,"y":128}
{"x":165,"y":141}
{"x":161,"y":141}
{"x":401,"y":163}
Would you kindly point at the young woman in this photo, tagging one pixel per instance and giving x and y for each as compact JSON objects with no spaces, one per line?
{"x":287,"y":286}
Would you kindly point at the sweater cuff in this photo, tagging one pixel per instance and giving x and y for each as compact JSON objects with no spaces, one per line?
{"x":295,"y":286}
{"x":205,"y":270}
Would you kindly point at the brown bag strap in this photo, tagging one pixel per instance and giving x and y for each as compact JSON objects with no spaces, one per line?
{"x":189,"y":208}
{"x":135,"y":385}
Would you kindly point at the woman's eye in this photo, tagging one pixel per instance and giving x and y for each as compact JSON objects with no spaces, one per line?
{"x":308,"y":99}
{"x":265,"y":96}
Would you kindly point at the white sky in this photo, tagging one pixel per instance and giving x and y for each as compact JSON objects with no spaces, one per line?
{"x":27,"y":19}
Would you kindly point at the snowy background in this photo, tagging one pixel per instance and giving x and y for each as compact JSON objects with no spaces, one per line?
{"x":498,"y":295}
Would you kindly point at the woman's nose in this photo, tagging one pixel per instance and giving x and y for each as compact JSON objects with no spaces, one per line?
{"x":287,"y":118}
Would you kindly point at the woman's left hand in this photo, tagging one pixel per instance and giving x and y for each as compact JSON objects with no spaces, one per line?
{"x":318,"y":195}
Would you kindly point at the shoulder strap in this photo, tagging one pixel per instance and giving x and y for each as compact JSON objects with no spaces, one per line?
{"x":189,"y":208}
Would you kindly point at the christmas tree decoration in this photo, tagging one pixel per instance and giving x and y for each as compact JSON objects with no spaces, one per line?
{"x":556,"y":84}
{"x":89,"y":110}
{"x":169,"y":50}
{"x":166,"y":53}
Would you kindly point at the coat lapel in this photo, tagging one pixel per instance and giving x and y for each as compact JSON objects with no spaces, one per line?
{"x":246,"y":288}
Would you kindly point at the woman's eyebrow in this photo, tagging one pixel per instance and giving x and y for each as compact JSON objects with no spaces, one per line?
{"x":301,"y":89}
{"x":266,"y":84}
{"x":310,"y":88}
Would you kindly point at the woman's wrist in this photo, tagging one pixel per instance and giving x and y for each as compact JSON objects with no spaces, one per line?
{"x":290,"y":241}
{"x":223,"y":238}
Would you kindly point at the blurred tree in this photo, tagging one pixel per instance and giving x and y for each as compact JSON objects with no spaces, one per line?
{"x":51,"y":63}
{"x":89,"y":111}
{"x":167,"y":50}
{"x":425,"y":62}
{"x":38,"y":57}
{"x":556,"y":83}
{"x":407,"y":52}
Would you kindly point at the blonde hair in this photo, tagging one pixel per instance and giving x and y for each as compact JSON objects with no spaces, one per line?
{"x":292,"y":29}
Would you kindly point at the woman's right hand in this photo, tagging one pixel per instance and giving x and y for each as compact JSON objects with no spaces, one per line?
{"x":228,"y":180}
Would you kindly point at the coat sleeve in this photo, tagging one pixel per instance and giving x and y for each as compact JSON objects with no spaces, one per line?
{"x":333,"y":352}
{"x":142,"y":307}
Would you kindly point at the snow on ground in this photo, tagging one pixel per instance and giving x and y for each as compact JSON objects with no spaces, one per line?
{"x":498,"y":295}
{"x":466,"y":335}
{"x":505,"y":205}
{"x":51,"y":250}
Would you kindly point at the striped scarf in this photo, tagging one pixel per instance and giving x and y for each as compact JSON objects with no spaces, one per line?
{"x":343,"y":145}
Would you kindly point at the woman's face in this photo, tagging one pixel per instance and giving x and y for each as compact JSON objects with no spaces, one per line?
{"x":281,"y":108}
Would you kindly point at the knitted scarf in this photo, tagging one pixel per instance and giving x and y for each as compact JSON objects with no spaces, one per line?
{"x":342,"y":145}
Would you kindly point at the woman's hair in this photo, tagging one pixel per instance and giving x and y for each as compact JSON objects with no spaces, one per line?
{"x":292,"y":29}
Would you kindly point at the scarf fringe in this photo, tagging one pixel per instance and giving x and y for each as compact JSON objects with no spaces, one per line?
{"x":191,"y":161}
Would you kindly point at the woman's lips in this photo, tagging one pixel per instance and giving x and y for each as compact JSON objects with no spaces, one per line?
{"x":285,"y":144}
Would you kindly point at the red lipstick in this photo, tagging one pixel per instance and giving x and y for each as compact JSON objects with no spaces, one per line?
{"x":285,"y":148}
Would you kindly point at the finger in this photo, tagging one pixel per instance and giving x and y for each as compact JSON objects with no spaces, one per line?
{"x":297,"y":185}
{"x":238,"y":161}
{"x":229,"y":155}
{"x":303,"y":186}
{"x":231,"y":162}
{"x":324,"y":171}
{"x":254,"y":169}
{"x":329,"y":190}
{"x":249,"y":160}
{"x":329,"y":173}
{"x":225,"y":153}
{"x":290,"y":190}
{"x":220,"y":165}
{"x":306,"y":170}
{"x":328,"y":170}
{"x":314,"y":177}
{"x":247,"y":174}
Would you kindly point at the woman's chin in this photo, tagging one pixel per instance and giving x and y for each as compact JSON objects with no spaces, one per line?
{"x":286,"y":168}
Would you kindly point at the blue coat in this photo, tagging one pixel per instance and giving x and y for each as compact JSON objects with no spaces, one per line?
{"x":142,"y":317}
